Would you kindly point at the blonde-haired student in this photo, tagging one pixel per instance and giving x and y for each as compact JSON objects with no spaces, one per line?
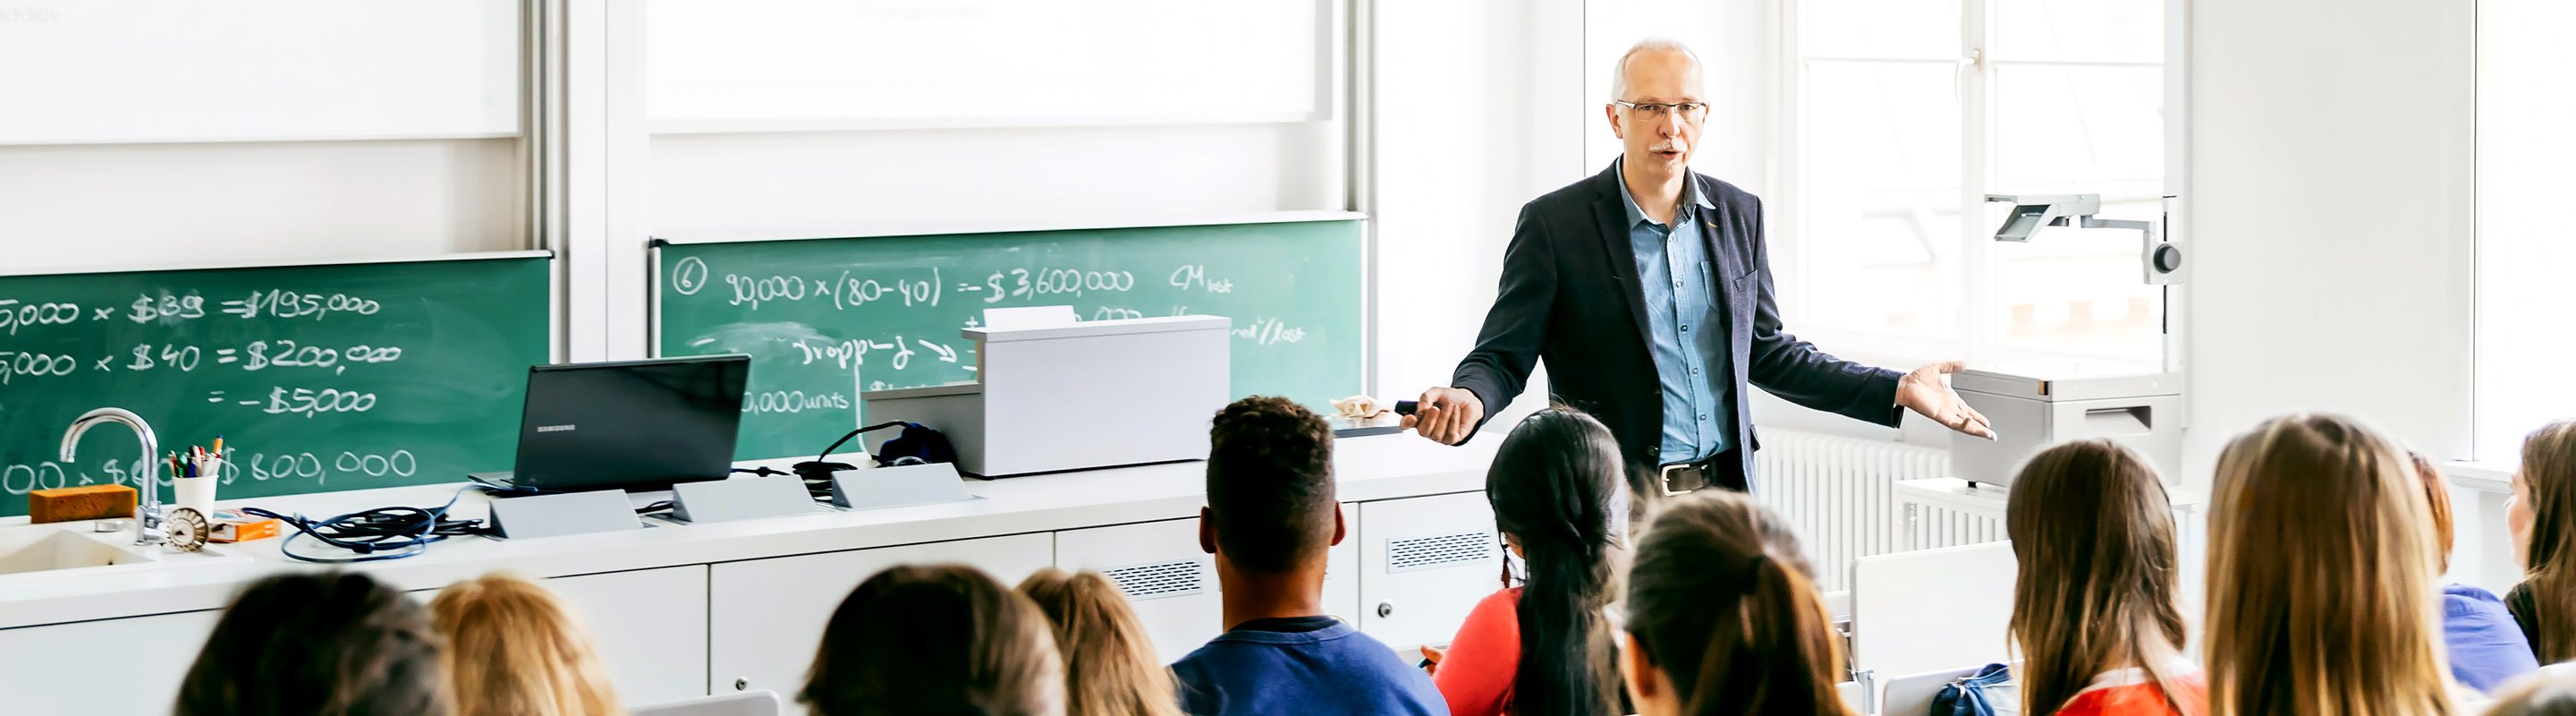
{"x":1109,"y":664}
{"x":2321,"y":577}
{"x":514,"y":650}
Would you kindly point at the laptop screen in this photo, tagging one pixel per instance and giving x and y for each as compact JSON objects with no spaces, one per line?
{"x":635,"y":424}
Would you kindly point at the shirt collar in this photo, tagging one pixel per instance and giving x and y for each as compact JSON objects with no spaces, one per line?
{"x":1690,"y":195}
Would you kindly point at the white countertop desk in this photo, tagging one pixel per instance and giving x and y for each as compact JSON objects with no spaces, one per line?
{"x":1417,"y":491}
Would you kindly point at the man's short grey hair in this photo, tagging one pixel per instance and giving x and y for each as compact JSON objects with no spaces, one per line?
{"x":1619,"y":72}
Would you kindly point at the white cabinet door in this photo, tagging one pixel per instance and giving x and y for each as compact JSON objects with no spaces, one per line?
{"x":1424,"y":563}
{"x":650,"y":626}
{"x":1168,"y":580}
{"x":1342,"y":569}
{"x":1173,"y":585}
{"x":765,"y":616}
{"x":116,"y":666}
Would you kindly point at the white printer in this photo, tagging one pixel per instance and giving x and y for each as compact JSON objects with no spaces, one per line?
{"x":1056,"y":394}
{"x":2038,"y":404}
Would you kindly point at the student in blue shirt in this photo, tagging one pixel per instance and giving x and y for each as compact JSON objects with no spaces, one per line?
{"x":1271,"y":516}
{"x":2485,"y":646}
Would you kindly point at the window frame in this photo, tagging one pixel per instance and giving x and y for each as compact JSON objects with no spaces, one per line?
{"x":1975,"y":306}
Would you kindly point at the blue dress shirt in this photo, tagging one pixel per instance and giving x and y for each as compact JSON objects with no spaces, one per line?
{"x":1685,"y":329}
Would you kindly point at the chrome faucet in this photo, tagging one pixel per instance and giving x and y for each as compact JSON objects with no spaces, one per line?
{"x":147,"y":511}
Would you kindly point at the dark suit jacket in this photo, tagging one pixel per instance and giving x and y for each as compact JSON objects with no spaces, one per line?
{"x":1570,"y":297}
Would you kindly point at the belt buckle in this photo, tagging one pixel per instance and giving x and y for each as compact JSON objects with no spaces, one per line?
{"x":1664,"y":481}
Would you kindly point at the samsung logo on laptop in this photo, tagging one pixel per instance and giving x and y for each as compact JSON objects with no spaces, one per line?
{"x":555,"y":428}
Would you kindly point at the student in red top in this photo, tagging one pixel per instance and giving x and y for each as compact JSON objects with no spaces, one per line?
{"x":1561,"y":503}
{"x":2094,"y":608}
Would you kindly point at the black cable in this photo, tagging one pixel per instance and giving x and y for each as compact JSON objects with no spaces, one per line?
{"x":377,"y":534}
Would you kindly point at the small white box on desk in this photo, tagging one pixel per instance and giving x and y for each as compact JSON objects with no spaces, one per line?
{"x":1071,"y":396}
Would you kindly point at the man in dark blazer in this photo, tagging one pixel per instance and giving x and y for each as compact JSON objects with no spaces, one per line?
{"x":1647,"y":290}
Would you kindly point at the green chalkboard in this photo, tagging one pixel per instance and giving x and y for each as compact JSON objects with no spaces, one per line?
{"x":335,"y":377}
{"x":825,"y":319}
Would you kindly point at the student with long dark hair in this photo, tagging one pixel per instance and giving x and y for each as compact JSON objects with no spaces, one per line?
{"x":323,"y":643}
{"x":1721,"y":616}
{"x":935,"y":640}
{"x":2543,"y":520}
{"x":2095,"y":603}
{"x":1560,"y":502}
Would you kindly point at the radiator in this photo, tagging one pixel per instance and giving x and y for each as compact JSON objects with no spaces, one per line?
{"x":1839,"y":494}
{"x":1931,"y":524}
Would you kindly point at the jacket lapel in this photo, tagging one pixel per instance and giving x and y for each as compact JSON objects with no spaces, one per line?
{"x":1611,"y":214}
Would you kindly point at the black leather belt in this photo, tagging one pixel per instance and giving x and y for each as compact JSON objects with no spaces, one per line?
{"x":1683,"y":477}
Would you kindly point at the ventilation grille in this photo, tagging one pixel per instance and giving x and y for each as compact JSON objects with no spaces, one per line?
{"x":1405,"y":555}
{"x":1160,"y":580}
{"x":1931,"y":526}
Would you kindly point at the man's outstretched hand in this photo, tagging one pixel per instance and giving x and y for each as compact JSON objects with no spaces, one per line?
{"x":1446,"y":415}
{"x":1927,"y":391}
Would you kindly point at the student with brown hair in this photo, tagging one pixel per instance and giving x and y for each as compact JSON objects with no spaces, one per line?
{"x":2094,"y":601}
{"x":2542,"y":517}
{"x":2321,"y":570}
{"x":513,"y":650}
{"x":2485,"y":646}
{"x":1109,"y":664}
{"x":1560,"y":500}
{"x":327,"y":644}
{"x":935,"y":640}
{"x":1722,"y":618}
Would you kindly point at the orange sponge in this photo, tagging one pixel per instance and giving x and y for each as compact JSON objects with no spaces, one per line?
{"x":65,"y":504}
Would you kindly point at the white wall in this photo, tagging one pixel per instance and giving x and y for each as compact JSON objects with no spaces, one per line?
{"x":74,"y":206}
{"x":787,"y":185}
{"x":2331,"y":218}
{"x":1739,"y":60}
{"x":1480,"y":108}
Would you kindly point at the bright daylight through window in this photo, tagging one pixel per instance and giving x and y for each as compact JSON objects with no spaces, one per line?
{"x":1899,"y":114}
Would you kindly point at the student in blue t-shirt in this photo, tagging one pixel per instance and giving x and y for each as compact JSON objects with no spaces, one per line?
{"x":1271,"y":516}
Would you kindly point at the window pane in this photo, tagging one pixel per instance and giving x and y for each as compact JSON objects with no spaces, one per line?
{"x":2078,"y":126}
{"x":1924,"y":29}
{"x":1880,"y":235}
{"x":2079,"y":292}
{"x":1034,"y":61}
{"x":158,"y":72}
{"x":2078,"y":130}
{"x":2080,"y":30}
{"x":2525,"y":107}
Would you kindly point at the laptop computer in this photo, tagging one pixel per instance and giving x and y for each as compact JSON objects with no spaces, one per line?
{"x":631,"y":425}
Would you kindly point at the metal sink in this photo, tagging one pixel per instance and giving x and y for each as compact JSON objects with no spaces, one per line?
{"x":69,"y":550}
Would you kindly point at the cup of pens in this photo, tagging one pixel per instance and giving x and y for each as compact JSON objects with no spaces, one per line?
{"x":193,"y":477}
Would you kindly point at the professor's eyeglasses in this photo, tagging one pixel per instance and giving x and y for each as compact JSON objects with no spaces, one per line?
{"x":1693,"y":111}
